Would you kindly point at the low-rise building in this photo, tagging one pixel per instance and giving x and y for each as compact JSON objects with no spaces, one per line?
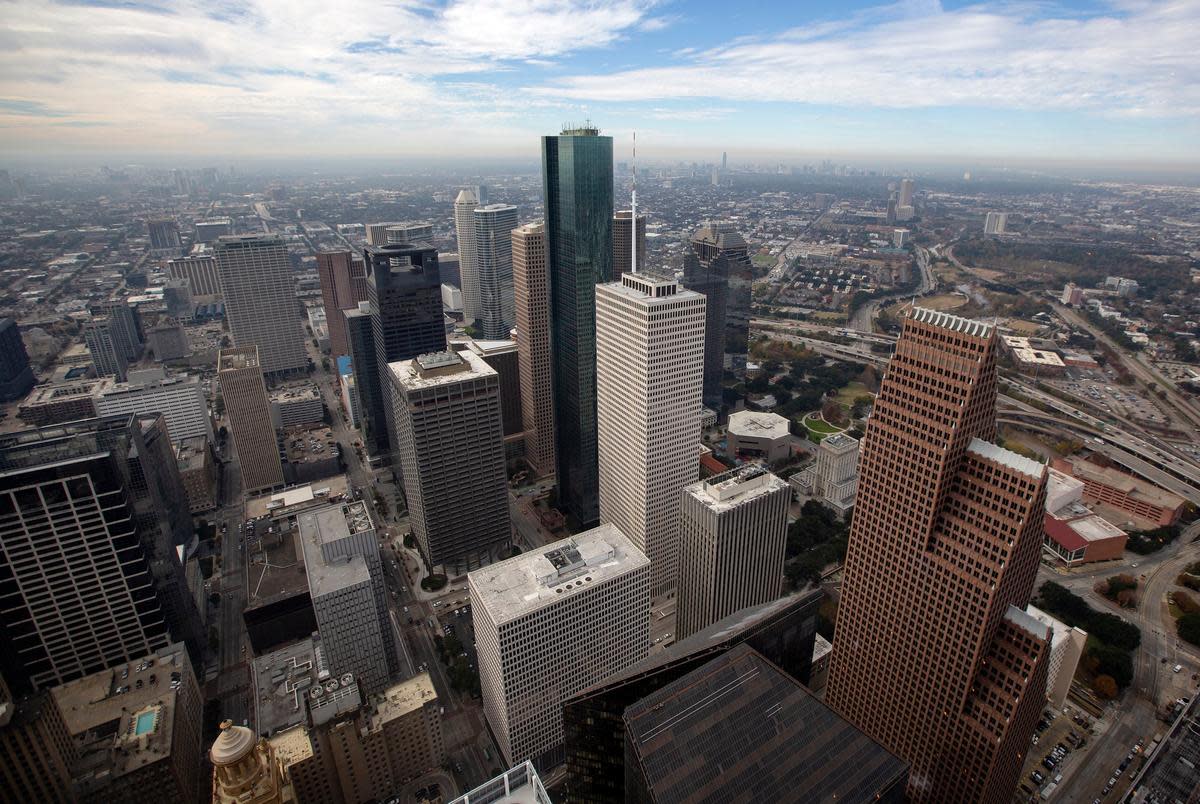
{"x":297,"y":405}
{"x":62,"y":402}
{"x":198,"y":471}
{"x":1124,"y":492}
{"x":1074,"y":534}
{"x":755,"y":434}
{"x":1031,"y":360}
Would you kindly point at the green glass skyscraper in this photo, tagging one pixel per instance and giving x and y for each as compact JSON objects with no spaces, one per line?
{"x":577,"y":173}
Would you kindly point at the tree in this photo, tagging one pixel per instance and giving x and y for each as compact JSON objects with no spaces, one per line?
{"x":833,"y":412}
{"x":1188,"y":627}
{"x":1105,"y":687}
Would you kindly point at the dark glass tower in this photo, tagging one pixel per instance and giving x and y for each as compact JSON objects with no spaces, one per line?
{"x":16,"y":377}
{"x":404,"y":287}
{"x":577,"y":175}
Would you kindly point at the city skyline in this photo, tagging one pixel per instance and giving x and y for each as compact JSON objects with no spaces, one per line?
{"x":1071,"y":81}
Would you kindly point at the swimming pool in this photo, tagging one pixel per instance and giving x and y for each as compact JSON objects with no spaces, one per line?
{"x":144,"y":723}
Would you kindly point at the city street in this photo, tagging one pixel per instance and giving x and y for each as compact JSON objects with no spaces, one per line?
{"x":233,"y":681}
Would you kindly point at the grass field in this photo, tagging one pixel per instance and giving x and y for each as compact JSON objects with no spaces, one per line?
{"x":762,"y":260}
{"x":818,"y":428}
{"x":847,"y":394}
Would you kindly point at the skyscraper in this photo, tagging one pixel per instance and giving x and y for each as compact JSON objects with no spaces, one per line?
{"x":934,"y":656}
{"x":731,"y":545}
{"x":649,"y":373}
{"x":995,"y":223}
{"x":241,"y":381}
{"x":107,"y":356}
{"x":180,"y":400}
{"x":339,"y":291}
{"x":125,"y":325}
{"x":360,"y":338}
{"x":464,"y":227}
{"x":577,"y":174}
{"x":906,"y":192}
{"x":718,"y":266}
{"x":405,"y":291}
{"x":450,"y":445}
{"x":77,"y":591}
{"x":411,"y":232}
{"x":623,"y":243}
{"x":531,"y":294}
{"x":494,"y":270}
{"x":549,"y":624}
{"x":260,"y":300}
{"x":16,"y":376}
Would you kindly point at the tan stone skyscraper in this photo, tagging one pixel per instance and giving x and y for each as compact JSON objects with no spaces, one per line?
{"x":531,"y":291}
{"x":934,"y":655}
{"x":245,"y":770}
{"x":343,"y":282}
{"x":241,"y":381}
{"x":468,"y":271}
{"x":649,"y":374}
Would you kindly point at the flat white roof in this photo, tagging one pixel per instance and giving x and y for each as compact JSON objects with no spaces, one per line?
{"x":1027,"y":622}
{"x":472,"y":366}
{"x":752,"y":424}
{"x":522,"y":584}
{"x":1057,"y":627}
{"x":1006,"y":457}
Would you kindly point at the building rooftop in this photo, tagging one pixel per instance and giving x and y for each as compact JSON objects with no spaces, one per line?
{"x":58,"y":392}
{"x":320,"y":527}
{"x":752,"y":424}
{"x":401,"y":698}
{"x":282,"y":679}
{"x":1027,"y":622}
{"x":296,"y":498}
{"x":953,"y":323}
{"x":122,"y":719}
{"x":439,"y":368}
{"x":522,"y":584}
{"x":520,"y":785}
{"x":739,"y":728}
{"x":1134,"y":487}
{"x":1005,"y":457}
{"x":292,"y":745}
{"x":274,"y":566}
{"x":237,"y":358}
{"x":192,"y":453}
{"x":296,"y":393}
{"x":1058,"y":628}
{"x":839,"y":443}
{"x":650,"y":289}
{"x":735,"y":487}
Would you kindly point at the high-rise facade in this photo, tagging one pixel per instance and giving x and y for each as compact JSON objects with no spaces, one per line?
{"x":360,"y":338}
{"x":464,"y":227}
{"x":107,"y":356}
{"x":577,"y":176}
{"x":338,"y":271}
{"x":995,"y":223}
{"x":16,"y":376}
{"x":179,"y":399}
{"x":450,"y":444}
{"x":260,"y":300}
{"x":731,"y":545}
{"x":405,"y":291}
{"x":531,"y":293}
{"x":722,"y":271}
{"x":241,"y":381}
{"x":549,"y":624}
{"x":649,"y":373}
{"x":346,"y":585}
{"x":125,"y":326}
{"x":201,"y":273}
{"x":494,"y":269}
{"x":164,"y":235}
{"x":623,"y":243}
{"x":411,"y":232}
{"x":906,"y":192}
{"x":77,"y":588}
{"x":934,"y":656}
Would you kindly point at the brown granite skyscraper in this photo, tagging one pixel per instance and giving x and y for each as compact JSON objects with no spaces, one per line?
{"x":934,"y":655}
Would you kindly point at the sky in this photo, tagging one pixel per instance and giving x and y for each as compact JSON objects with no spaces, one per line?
{"x":789,"y":80}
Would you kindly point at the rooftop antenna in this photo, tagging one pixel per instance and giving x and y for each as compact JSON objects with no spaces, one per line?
{"x":633,"y":264}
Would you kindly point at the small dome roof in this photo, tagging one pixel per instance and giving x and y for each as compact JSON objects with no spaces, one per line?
{"x":232,"y":744}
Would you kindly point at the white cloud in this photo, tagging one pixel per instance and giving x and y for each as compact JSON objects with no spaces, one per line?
{"x":1140,"y":59}
{"x":196,"y":74}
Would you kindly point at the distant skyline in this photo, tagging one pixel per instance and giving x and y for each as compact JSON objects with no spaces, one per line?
{"x":1057,"y":81}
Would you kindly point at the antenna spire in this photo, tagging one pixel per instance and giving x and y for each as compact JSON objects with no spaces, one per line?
{"x":633,"y":263}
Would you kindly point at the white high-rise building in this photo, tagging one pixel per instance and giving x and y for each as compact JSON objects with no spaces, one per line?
{"x":995,"y":223}
{"x":649,"y":381}
{"x":731,"y":546}
{"x":835,"y":474}
{"x":550,"y":623}
{"x":464,"y":227}
{"x":494,"y":269}
{"x":180,"y":400}
{"x":450,"y":443}
{"x":260,"y":300}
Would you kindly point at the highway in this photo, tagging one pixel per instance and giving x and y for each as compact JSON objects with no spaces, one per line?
{"x":863,"y":319}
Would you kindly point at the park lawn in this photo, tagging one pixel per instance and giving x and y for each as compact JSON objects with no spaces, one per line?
{"x":762,"y":260}
{"x":820,"y":425}
{"x":851,"y":391}
{"x":828,"y":315}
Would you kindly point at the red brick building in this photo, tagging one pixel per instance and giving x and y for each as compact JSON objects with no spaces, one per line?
{"x":1124,"y":492}
{"x":934,"y":655}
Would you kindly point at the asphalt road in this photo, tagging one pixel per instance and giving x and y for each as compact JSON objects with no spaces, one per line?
{"x":233,"y":681}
